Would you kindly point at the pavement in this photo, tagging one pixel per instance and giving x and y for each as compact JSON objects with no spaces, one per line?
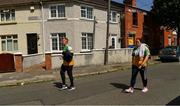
{"x":33,"y":76}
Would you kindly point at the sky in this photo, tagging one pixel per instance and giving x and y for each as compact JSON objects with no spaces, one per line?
{"x":143,"y":4}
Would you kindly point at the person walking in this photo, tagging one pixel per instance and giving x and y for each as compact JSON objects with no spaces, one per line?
{"x":68,"y":63}
{"x":140,"y":56}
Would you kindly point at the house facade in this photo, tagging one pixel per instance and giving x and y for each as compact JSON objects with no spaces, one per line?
{"x":34,"y":28}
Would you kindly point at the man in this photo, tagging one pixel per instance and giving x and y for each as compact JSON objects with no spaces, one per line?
{"x":68,"y":63}
{"x":140,"y":58}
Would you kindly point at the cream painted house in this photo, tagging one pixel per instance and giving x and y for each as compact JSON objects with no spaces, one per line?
{"x":34,"y":27}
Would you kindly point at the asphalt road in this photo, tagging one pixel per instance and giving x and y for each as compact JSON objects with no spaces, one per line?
{"x":104,"y":89}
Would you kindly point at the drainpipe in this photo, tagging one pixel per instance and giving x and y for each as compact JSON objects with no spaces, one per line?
{"x":43,"y":34}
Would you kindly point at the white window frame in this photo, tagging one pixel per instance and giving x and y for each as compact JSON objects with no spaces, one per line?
{"x":87,"y":12}
{"x":11,"y":18}
{"x":114,"y":36}
{"x":87,"y":45}
{"x":9,"y":37}
{"x":57,"y":17}
{"x":58,"y":41}
{"x":111,"y":17}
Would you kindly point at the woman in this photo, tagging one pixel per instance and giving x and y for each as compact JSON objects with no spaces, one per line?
{"x":140,"y":58}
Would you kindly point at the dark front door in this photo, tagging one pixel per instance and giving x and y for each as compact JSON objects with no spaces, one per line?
{"x":32,"y":43}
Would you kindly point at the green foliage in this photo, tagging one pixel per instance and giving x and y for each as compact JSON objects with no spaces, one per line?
{"x":167,"y":12}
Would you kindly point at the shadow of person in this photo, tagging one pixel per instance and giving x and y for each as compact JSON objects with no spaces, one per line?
{"x":123,"y":87}
{"x":58,"y":84}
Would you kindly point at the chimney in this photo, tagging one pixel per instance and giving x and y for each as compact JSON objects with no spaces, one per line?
{"x":130,"y":2}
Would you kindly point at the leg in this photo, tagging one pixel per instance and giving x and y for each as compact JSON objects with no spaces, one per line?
{"x":143,"y":73}
{"x":62,"y":73}
{"x":70,"y":74}
{"x":134,"y":75}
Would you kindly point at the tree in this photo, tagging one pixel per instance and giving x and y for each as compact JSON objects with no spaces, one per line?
{"x":167,"y":12}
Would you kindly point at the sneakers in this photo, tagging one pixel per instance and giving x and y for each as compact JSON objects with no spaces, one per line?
{"x":64,"y":87}
{"x":129,"y":90}
{"x":71,"y":88}
{"x":145,"y":89}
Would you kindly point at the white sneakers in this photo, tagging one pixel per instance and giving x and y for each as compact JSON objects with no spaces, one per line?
{"x":64,"y":87}
{"x":131,"y":90}
{"x":145,"y":89}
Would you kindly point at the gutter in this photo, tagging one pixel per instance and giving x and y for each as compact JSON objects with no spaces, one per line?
{"x":43,"y":27}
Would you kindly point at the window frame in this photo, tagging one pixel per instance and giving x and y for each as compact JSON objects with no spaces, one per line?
{"x":111,"y":17}
{"x":12,"y":38}
{"x":58,"y":41}
{"x":86,"y":12}
{"x":57,"y":14}
{"x":135,"y":19}
{"x":87,"y":45}
{"x":11,"y":13}
{"x":115,"y":40}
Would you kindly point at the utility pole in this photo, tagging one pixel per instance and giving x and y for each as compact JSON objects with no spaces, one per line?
{"x":107,"y":34}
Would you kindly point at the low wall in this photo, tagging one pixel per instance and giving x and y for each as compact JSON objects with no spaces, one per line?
{"x":31,"y":60}
{"x":96,"y":57}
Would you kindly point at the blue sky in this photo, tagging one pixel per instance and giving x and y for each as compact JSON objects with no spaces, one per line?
{"x":143,"y":4}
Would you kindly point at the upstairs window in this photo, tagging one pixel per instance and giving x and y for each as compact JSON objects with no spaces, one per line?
{"x":113,"y":15}
{"x":135,"y":18}
{"x":86,"y":12}
{"x":57,"y":11}
{"x":7,"y":15}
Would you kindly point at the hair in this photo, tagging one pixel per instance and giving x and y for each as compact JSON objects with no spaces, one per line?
{"x":140,"y":39}
{"x":66,"y":38}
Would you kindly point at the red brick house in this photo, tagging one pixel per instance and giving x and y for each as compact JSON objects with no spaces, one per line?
{"x":140,"y":23}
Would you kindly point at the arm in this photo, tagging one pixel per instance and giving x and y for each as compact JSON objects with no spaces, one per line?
{"x":146,"y":58}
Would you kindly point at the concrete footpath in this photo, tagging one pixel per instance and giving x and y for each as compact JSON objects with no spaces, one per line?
{"x":15,"y":79}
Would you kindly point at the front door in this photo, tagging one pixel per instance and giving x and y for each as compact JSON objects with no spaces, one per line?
{"x":32,"y":43}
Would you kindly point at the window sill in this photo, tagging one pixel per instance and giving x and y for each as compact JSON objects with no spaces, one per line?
{"x":113,"y":22}
{"x":86,"y":19}
{"x":86,"y":51}
{"x":53,"y":19}
{"x":8,"y":23}
{"x":135,"y":26}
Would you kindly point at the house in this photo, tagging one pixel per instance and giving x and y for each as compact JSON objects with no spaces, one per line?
{"x":142,"y":24}
{"x":35,"y":29}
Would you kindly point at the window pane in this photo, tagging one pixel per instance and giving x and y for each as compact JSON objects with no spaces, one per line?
{"x":13,"y":14}
{"x":83,"y":12}
{"x":3,"y":43}
{"x":54,"y":44}
{"x":15,"y":45}
{"x":61,"y":11}
{"x":113,"y":43}
{"x":90,"y":41}
{"x":89,"y":13}
{"x":7,"y":16}
{"x":9,"y":45}
{"x":114,"y":16}
{"x":61,"y":36}
{"x":2,"y":17}
{"x":53,"y":11}
{"x":83,"y":43}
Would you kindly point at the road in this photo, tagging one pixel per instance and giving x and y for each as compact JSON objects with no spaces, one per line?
{"x":104,"y":89}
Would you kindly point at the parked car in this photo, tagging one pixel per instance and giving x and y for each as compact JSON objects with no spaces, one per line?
{"x":170,"y":53}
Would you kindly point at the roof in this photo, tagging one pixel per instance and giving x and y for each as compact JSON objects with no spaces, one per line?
{"x":14,"y":2}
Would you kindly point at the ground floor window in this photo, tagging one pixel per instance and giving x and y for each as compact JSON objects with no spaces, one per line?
{"x":9,"y":43}
{"x":87,"y":41}
{"x":113,"y":41}
{"x":56,"y":41}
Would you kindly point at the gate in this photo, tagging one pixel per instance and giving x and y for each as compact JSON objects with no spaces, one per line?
{"x":7,"y":63}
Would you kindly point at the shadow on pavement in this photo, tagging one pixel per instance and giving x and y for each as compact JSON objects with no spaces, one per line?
{"x":175,"y":101}
{"x":58,"y":84}
{"x":123,"y":86}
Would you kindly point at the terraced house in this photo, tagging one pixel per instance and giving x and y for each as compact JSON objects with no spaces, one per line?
{"x":36,"y":27}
